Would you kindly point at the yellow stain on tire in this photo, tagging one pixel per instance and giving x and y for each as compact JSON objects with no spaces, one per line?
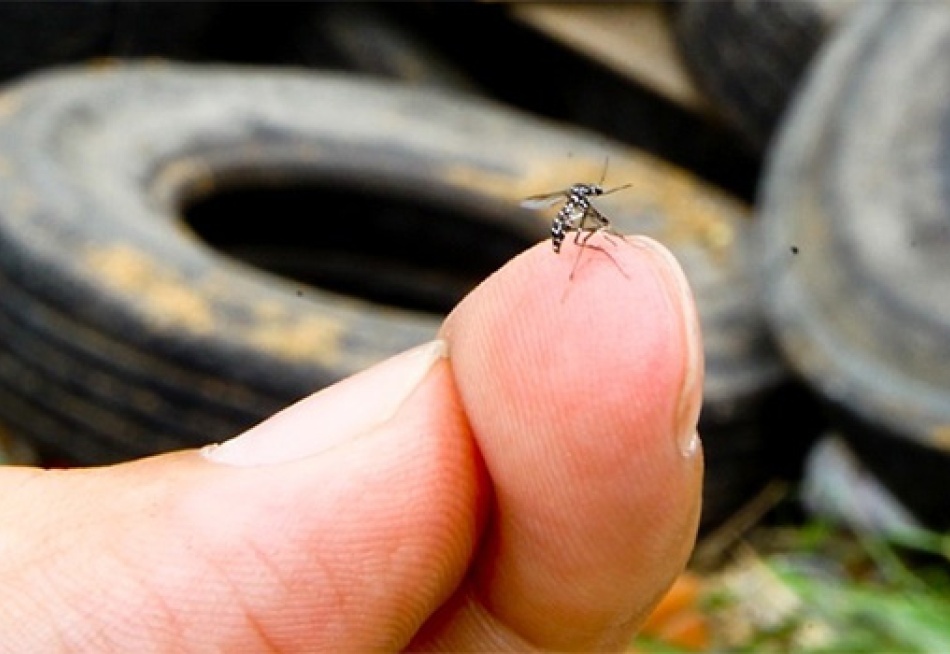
{"x":940,"y":437}
{"x":166,"y":297}
{"x":170,"y":301}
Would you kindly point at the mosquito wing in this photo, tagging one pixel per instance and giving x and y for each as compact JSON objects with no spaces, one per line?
{"x":544,"y":200}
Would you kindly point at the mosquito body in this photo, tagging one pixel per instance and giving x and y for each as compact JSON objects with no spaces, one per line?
{"x":577,"y":214}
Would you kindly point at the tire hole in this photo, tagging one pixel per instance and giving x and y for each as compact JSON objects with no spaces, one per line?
{"x":381,"y":248}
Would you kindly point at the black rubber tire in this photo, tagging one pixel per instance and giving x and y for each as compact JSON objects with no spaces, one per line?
{"x":748,"y":56}
{"x":122,"y":334}
{"x":855,"y":236}
{"x":364,"y":37}
{"x":35,"y":35}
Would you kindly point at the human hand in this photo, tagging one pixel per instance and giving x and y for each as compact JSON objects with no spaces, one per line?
{"x":538,"y":487}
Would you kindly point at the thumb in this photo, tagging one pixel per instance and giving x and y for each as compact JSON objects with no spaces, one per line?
{"x":341,"y":523}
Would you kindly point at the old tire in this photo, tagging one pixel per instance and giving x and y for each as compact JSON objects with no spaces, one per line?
{"x":123,"y":334}
{"x":748,"y":57}
{"x":856,"y":243}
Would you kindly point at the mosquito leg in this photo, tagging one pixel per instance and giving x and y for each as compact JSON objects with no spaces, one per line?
{"x":581,"y":237}
{"x":609,"y":235}
{"x":580,"y":251}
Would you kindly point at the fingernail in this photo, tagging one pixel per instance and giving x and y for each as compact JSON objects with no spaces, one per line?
{"x":690,"y":445}
{"x":690,"y":402}
{"x":334,"y":415}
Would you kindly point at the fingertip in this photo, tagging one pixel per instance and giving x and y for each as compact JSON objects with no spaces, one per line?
{"x":574,"y":376}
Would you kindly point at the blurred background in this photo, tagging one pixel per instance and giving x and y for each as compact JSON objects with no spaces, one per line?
{"x":211,"y":209}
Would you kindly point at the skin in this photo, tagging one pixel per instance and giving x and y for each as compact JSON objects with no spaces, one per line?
{"x":535,"y":489}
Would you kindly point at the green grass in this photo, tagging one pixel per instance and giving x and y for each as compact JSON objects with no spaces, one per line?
{"x":819,"y":588}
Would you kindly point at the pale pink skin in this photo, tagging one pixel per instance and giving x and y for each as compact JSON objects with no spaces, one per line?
{"x":538,"y":489}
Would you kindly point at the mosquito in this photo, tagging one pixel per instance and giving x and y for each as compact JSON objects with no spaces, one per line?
{"x":577,"y":214}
